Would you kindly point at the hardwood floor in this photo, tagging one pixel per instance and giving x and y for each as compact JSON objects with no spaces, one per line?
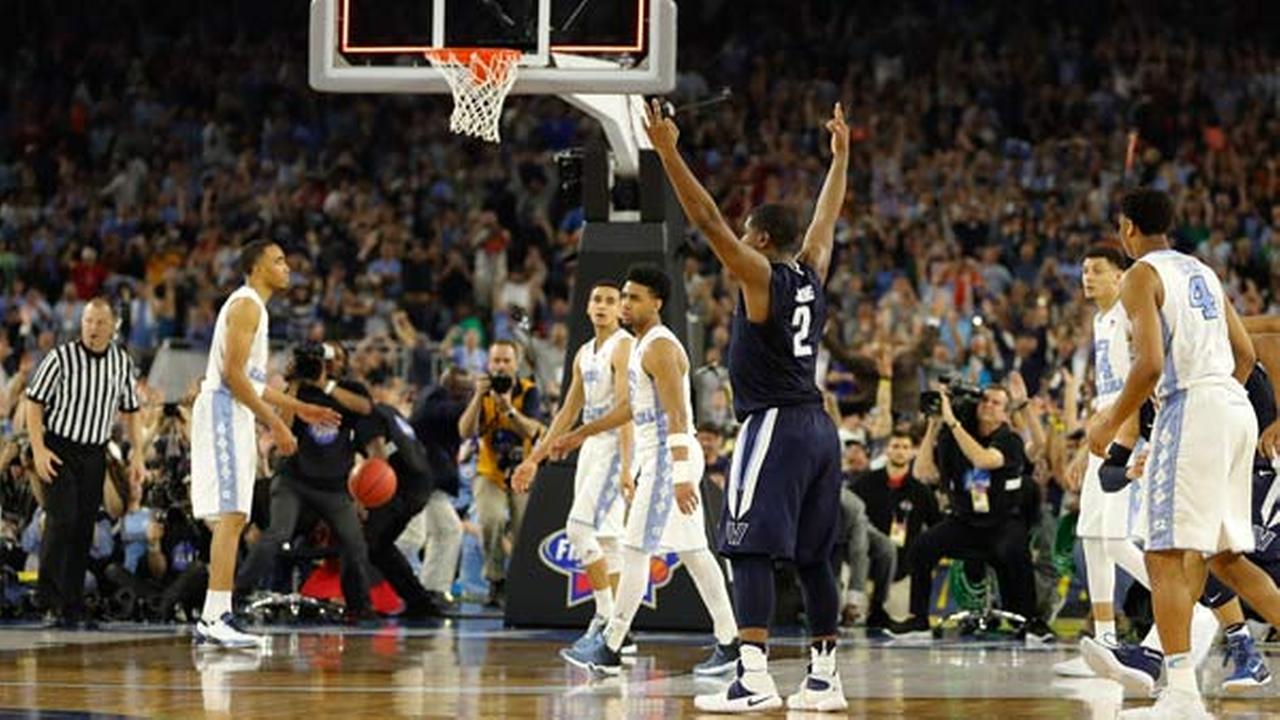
{"x":474,"y":669}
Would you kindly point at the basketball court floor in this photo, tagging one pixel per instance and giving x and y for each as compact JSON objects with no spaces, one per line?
{"x":477,"y":669}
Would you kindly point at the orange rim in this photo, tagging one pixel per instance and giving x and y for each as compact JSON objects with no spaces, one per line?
{"x":480,"y":61}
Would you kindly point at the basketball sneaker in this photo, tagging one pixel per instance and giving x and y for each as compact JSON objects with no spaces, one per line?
{"x":594,"y":628}
{"x":1249,"y":669}
{"x":821,"y":690}
{"x":911,"y":628}
{"x":752,"y":689}
{"x":224,"y":632}
{"x":1172,"y":705}
{"x":1136,"y":667}
{"x":722,"y":660}
{"x":595,"y":656}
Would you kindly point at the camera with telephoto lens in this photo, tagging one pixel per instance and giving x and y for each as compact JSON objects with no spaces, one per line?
{"x":501,"y":384}
{"x":964,"y":400}
{"x":308,"y":361}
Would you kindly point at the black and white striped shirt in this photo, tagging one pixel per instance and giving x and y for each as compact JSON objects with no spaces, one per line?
{"x":81,"y":391}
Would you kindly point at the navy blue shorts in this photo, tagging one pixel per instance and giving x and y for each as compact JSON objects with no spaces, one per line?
{"x":783,"y":494}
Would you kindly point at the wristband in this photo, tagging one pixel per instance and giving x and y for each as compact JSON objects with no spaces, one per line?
{"x":1113,"y":475}
{"x":683,"y":471}
{"x":329,"y":386}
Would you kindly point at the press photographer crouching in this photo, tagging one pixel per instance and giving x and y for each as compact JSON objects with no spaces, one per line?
{"x":163,"y":566}
{"x":970,"y":447}
{"x":315,"y":476}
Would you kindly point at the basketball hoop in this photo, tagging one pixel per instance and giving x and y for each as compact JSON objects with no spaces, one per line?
{"x":480,"y":79}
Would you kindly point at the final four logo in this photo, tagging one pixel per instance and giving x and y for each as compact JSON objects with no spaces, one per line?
{"x":557,"y":554}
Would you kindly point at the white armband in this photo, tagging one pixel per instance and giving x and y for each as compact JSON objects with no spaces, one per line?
{"x":683,"y":471}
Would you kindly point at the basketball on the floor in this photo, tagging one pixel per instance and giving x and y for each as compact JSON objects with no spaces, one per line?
{"x":373,"y":483}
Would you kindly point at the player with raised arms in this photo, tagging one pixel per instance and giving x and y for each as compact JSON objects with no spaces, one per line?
{"x":783,"y":494}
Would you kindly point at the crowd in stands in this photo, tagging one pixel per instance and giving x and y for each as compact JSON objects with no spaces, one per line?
{"x":140,"y":149}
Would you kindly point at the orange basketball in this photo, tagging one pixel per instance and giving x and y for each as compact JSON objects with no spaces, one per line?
{"x":373,"y":483}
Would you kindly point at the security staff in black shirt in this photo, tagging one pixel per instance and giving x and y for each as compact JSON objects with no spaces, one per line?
{"x":316,"y":476}
{"x":981,"y":469}
{"x":386,"y":434}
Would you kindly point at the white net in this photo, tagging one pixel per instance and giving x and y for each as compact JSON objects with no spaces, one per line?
{"x":480,"y":79}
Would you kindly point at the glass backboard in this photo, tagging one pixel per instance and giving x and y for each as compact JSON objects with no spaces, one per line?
{"x":568,"y":46}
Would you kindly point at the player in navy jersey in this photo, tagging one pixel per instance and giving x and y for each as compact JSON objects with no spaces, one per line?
{"x":783,"y":494}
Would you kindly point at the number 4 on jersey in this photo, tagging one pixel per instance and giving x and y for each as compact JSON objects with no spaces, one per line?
{"x":1201,"y":297}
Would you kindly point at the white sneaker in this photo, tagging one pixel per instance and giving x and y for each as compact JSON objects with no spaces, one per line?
{"x":1172,"y":705}
{"x":224,"y":633}
{"x":753,"y":690}
{"x":821,"y":690}
{"x":1076,"y":667}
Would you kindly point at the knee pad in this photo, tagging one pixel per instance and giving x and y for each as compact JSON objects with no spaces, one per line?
{"x":582,"y":538}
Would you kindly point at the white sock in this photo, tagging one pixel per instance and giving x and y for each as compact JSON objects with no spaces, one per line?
{"x":635,"y":576}
{"x":1105,"y":631}
{"x":604,"y":601}
{"x":1182,"y":673}
{"x":707,"y":577}
{"x":856,"y":598}
{"x":216,"y":603}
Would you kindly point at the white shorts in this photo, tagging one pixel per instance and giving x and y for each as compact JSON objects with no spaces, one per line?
{"x":224,"y":455}
{"x":1199,"y":474}
{"x":654,"y":522}
{"x":597,"y":492}
{"x":1103,"y":515}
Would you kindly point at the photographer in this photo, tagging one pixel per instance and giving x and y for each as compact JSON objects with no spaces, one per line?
{"x":316,"y":476}
{"x":980,"y":462}
{"x":504,"y":414}
{"x":164,"y":562}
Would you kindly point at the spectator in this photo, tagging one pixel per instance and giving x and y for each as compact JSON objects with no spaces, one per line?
{"x":898,"y":506}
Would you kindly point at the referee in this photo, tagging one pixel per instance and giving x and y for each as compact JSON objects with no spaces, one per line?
{"x":74,"y":396}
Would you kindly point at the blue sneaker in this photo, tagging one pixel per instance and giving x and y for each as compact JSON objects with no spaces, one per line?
{"x":595,"y":657}
{"x":1135,"y":667}
{"x":596,"y":627}
{"x":723,"y":660}
{"x":1249,"y":669}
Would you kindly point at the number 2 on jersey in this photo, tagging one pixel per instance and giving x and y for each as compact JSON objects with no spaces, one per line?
{"x":1201,"y":297}
{"x":800,"y":320}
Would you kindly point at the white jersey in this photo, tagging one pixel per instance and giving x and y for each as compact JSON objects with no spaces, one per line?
{"x":257,"y":365}
{"x":646,"y":412}
{"x":596,"y":367}
{"x":1111,"y":356}
{"x":1194,"y":320}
